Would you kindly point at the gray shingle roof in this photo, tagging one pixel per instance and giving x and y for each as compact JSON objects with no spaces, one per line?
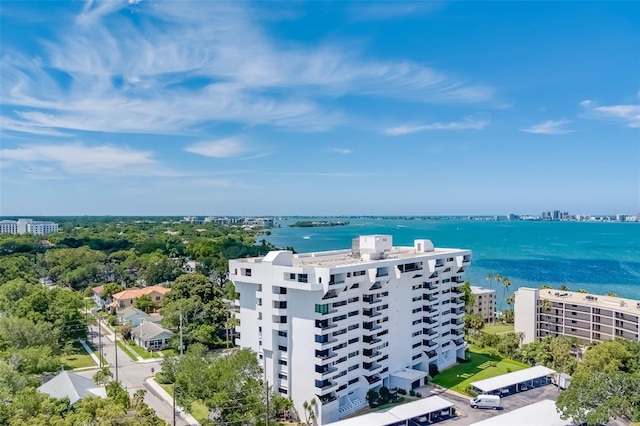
{"x":72,"y":386}
{"x":149,"y":330}
{"x":129,"y":312}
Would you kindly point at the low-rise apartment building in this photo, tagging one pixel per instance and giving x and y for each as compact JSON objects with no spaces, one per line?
{"x":548,"y":312}
{"x":27,"y":226}
{"x":333,"y":325}
{"x":484,"y":303}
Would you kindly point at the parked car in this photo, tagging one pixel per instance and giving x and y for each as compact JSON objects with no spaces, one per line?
{"x":485,"y":401}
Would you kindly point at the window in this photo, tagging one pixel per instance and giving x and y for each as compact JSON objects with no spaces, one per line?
{"x":358,"y":273}
{"x":322,"y":309}
{"x":353,"y":367}
{"x":157,"y":298}
{"x":352,"y":381}
{"x":356,"y":285}
{"x":353,"y":326}
{"x":352,"y":354}
{"x":282,"y":348}
{"x":280,"y":333}
{"x":353,"y":313}
{"x":282,"y":362}
{"x":354,"y":340}
{"x":354,"y":299}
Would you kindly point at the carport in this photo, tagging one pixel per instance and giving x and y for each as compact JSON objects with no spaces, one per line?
{"x":514,"y":382}
{"x":431,"y":408}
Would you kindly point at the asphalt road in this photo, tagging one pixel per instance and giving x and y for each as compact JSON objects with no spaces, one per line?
{"x":133,"y":376}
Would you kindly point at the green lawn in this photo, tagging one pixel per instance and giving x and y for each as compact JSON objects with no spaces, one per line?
{"x":497,"y":328}
{"x":481,"y":366}
{"x":142,"y":351}
{"x":198,"y":410}
{"x":169,"y":352}
{"x":79,"y":358}
{"x":127,"y":351}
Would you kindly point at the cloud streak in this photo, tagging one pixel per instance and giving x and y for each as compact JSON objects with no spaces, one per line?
{"x":628,"y":114}
{"x":469,"y":123}
{"x":78,"y":158}
{"x":180,"y":68}
{"x":549,"y":127}
{"x":224,"y":148}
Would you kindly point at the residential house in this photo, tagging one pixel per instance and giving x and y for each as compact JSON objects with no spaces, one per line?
{"x":151,"y":336}
{"x":97,"y":291}
{"x":72,"y":386}
{"x":132,"y":316}
{"x":190,"y":266}
{"x":127,"y":298}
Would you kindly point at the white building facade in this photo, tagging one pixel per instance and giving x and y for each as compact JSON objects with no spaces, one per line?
{"x":484,"y":303}
{"x":590,"y":318}
{"x":333,"y":325}
{"x":27,"y":226}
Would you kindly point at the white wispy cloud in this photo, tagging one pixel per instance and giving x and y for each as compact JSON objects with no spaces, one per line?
{"x":629,"y":114}
{"x":172,"y":67}
{"x":223,"y":148}
{"x":549,"y":127}
{"x":469,"y":123}
{"x":341,"y":150}
{"x":381,"y":10}
{"x":81,"y":159}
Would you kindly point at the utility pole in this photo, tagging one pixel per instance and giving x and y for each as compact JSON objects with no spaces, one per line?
{"x":181,"y":346}
{"x":100,"y":341}
{"x":174,"y":403}
{"x":266,"y":389}
{"x":115,"y":345}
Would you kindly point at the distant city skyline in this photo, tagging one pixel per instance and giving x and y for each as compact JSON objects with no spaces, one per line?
{"x":317,"y":108}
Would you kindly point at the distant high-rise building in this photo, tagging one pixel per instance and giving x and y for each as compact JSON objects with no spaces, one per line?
{"x":556,"y":215}
{"x":621,"y":217}
{"x":546,"y":215}
{"x":512,"y":216}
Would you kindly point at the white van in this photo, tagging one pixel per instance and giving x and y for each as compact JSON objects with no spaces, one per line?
{"x":485,"y":401}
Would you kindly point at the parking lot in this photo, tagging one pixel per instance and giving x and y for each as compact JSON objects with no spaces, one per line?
{"x":470,"y":415}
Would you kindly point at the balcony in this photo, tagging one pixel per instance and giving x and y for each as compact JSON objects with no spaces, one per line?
{"x":371,"y":299}
{"x":429,"y":320}
{"x":429,"y":343}
{"x":325,"y":340}
{"x":429,"y":332}
{"x":326,"y":399}
{"x":371,"y":340}
{"x":325,"y":325}
{"x":325,"y":384}
{"x":431,"y":354}
{"x":325,"y":355}
{"x":371,"y":366}
{"x":325,"y":369}
{"x":371,"y":313}
{"x":371,"y":353}
{"x":373,"y":379}
{"x":371,"y":326}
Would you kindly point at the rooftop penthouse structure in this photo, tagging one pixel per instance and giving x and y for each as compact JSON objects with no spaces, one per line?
{"x":332,"y":325}
{"x":567,"y":313}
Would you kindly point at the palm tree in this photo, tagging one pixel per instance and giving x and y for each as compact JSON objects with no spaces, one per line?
{"x":511,"y":299}
{"x":545,"y":304}
{"x":506,"y":282}
{"x":103,"y":376}
{"x":498,"y":279}
{"x":564,"y":287}
{"x":309,"y":411}
{"x":582,"y":290}
{"x":546,"y":286}
{"x":612,"y":294}
{"x":489,"y":278}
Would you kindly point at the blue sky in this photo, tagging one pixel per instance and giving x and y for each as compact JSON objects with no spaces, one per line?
{"x":319,"y":108}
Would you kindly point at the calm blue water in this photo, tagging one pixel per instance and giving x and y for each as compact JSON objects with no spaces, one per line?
{"x":598,"y":257}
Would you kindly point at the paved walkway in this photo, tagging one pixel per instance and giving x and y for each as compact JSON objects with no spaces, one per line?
{"x":154,"y":387}
{"x":90,"y":352}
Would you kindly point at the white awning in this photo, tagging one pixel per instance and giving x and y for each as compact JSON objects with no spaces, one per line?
{"x":540,"y":413}
{"x":399,"y":413}
{"x":510,"y":379}
{"x":409,"y":374}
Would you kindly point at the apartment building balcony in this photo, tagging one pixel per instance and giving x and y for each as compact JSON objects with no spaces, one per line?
{"x":371,"y":326}
{"x":371,"y":313}
{"x":325,"y":340}
{"x":627,"y":326}
{"x":371,"y":353}
{"x":577,"y":324}
{"x":371,"y":299}
{"x":325,"y":355}
{"x":325,"y":384}
{"x":325,"y":324}
{"x":578,"y":315}
{"x":371,"y":340}
{"x":626,"y":317}
{"x":456,"y":311}
{"x":278,"y":297}
{"x":429,"y":320}
{"x":577,"y":332}
{"x":458,"y":342}
{"x":429,"y":343}
{"x":375,"y":378}
{"x":324,"y":370}
{"x":328,"y":398}
{"x":466,"y":259}
{"x":371,"y":366}
{"x":431,"y":355}
{"x":458,"y":333}
{"x":604,"y":329}
{"x":430,"y":332}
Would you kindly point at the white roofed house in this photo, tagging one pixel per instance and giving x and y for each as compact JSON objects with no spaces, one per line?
{"x":72,"y":386}
{"x":133,"y":316}
{"x":151,"y":336}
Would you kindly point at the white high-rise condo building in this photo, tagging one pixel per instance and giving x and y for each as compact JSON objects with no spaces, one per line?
{"x":590,"y":318}
{"x":332,"y":325}
{"x":484,"y":304}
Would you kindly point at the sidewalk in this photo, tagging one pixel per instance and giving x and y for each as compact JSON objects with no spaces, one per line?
{"x":90,"y":352}
{"x":110,"y":334}
{"x":157,"y":389}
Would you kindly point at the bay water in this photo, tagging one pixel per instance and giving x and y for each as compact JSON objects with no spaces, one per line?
{"x":597,"y":257}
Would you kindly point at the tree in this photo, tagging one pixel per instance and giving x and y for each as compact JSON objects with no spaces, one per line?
{"x":309,"y":408}
{"x":545,"y":304}
{"x":281,"y":408}
{"x":508,"y":316}
{"x":582,"y":290}
{"x":490,"y":279}
{"x":468,"y":297}
{"x":372,"y":397}
{"x":511,"y":299}
{"x":103,"y":376}
{"x":385,"y":394}
{"x":612,"y":294}
{"x":473,"y":322}
{"x":137,"y":401}
{"x":598,"y":396}
{"x":564,"y":287}
{"x":546,"y":286}
{"x":125,"y":331}
{"x":144,"y":303}
{"x":230,"y":325}
{"x":606,"y":357}
{"x":506,"y":282}
{"x":110,"y":289}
